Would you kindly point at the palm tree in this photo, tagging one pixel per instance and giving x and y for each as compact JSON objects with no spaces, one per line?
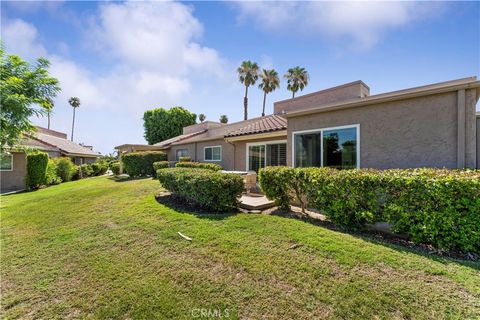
{"x":201,"y":117}
{"x":75,"y":103}
{"x":270,"y":82}
{"x":297,"y":78}
{"x":248,"y":75}
{"x":223,"y":118}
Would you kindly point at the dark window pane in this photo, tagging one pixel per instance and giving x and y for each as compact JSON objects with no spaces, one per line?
{"x":307,"y":150}
{"x":217,"y":151}
{"x":208,"y":153}
{"x":277,"y":154}
{"x":340,"y":148}
{"x":256,"y":157}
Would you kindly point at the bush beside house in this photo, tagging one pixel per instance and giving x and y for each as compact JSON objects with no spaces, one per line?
{"x":436,"y":206}
{"x":36,"y":169}
{"x":138,"y":164}
{"x":199,"y":165}
{"x":201,"y":187}
{"x":160,"y":165}
{"x":65,"y":169}
{"x":51,"y":176}
{"x":115,"y":167}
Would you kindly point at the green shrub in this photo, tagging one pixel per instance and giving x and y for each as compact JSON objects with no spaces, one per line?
{"x":215,"y":191}
{"x":199,"y":165}
{"x":436,"y":206}
{"x":160,"y":165}
{"x":51,"y":176}
{"x":115,"y":167}
{"x":184,"y":159}
{"x":141,"y":163}
{"x":76,"y":173}
{"x":65,"y":169}
{"x":86,"y":170}
{"x":99,"y":168}
{"x":36,"y":169}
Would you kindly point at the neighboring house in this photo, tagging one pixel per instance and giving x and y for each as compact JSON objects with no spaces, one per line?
{"x":344,"y":126}
{"x":14,"y":165}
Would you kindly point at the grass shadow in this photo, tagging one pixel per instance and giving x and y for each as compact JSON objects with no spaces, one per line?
{"x":175,"y":203}
{"x":126,"y":178}
{"x":391,"y":241}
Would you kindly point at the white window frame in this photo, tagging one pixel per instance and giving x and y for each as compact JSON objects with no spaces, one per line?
{"x":321,"y":130}
{"x":211,"y":147}
{"x":177,"y":158}
{"x":263,"y":143}
{"x":11,"y":163}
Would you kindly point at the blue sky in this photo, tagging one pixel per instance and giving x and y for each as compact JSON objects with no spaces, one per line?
{"x":122,"y":58}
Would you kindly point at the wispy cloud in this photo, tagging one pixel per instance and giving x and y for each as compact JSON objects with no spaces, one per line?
{"x":361,"y":24}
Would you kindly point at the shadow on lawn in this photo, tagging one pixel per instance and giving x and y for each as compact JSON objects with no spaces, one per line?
{"x":127,"y":178}
{"x":179,"y":205}
{"x":391,"y":241}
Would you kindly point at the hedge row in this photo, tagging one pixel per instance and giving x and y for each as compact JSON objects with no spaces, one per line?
{"x":138,"y":164}
{"x":215,"y":191}
{"x":436,"y":206}
{"x":160,"y":165}
{"x":199,"y":165}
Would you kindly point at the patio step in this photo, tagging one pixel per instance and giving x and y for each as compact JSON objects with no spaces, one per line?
{"x":255,"y":202}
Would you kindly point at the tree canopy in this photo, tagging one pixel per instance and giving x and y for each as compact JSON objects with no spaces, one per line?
{"x":297,"y":79}
{"x":161,"y":124}
{"x":25,"y":90}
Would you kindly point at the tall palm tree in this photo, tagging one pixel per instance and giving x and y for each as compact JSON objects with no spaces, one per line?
{"x":270,"y":82}
{"x":248,"y":75}
{"x":223,"y":118}
{"x":201,"y":117}
{"x":75,"y":103}
{"x":297,"y":78}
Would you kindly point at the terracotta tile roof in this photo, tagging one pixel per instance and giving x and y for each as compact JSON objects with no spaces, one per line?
{"x":168,"y":142}
{"x":265,"y":124}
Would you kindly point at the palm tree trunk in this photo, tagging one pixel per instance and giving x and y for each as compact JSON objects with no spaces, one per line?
{"x":293,"y":94}
{"x":73,"y":124}
{"x":48,"y":114}
{"x":264,"y":98}
{"x":245,"y":104}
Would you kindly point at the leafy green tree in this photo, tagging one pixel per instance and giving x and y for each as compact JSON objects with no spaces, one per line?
{"x":248,"y":75}
{"x":297,"y":79}
{"x":160,"y":124}
{"x":25,"y":90}
{"x":223,"y":118}
{"x":270,"y":82}
{"x":75,"y":103}
{"x":201,"y":117}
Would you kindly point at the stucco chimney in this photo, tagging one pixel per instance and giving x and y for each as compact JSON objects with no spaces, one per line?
{"x":344,"y":92}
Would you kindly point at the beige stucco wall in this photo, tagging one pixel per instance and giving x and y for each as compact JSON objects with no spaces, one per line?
{"x":478,"y":141}
{"x":418,"y":132}
{"x":196,"y":152}
{"x":15,"y":179}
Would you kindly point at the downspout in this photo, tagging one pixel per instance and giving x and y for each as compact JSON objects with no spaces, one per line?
{"x":195,"y":159}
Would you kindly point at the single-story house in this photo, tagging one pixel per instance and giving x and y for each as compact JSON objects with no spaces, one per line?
{"x":13,"y":165}
{"x":429,"y":126}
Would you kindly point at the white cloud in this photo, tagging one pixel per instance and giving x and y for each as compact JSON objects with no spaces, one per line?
{"x":156,"y":56}
{"x":362,"y":24}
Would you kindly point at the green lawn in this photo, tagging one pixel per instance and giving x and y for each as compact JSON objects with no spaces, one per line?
{"x":98,"y":248}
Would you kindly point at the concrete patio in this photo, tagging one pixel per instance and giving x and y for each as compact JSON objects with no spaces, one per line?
{"x":255,"y":202}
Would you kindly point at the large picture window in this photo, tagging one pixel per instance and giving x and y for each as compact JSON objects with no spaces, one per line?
{"x":272,"y":153}
{"x":330,"y":147}
{"x":6,"y":162}
{"x":213,"y":153}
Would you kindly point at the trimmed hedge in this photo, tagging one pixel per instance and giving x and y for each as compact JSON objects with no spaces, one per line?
{"x":36,"y":169}
{"x":436,"y":206}
{"x":99,"y":168}
{"x":199,"y":165}
{"x":86,"y":171}
{"x":115,"y":167}
{"x":65,"y":168}
{"x":215,"y":191}
{"x":160,"y":165}
{"x":138,"y":164}
{"x":184,"y":159}
{"x":51,"y":176}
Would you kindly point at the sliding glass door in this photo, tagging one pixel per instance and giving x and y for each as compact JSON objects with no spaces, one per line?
{"x":267,"y":154}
